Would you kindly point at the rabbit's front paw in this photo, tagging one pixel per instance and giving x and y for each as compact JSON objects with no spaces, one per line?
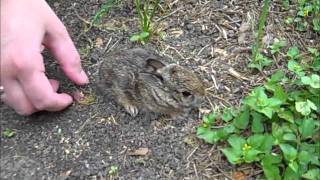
{"x":131,"y":109}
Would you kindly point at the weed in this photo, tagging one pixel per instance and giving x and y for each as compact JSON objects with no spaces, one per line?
{"x":258,"y":60}
{"x":308,"y":15}
{"x":282,"y":117}
{"x":146,"y":11}
{"x":8,"y":133}
{"x":104,"y":9}
{"x":113,"y":170}
{"x":277,"y":124}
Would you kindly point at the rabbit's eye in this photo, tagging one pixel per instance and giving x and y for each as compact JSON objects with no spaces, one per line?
{"x":186,"y":94}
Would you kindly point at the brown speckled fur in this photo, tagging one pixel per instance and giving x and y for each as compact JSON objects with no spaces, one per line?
{"x":140,"y":79}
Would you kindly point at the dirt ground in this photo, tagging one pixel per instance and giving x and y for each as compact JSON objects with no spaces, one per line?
{"x":211,"y":37}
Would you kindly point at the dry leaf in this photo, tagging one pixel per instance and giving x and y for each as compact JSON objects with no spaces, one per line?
{"x":78,"y":96}
{"x":224,"y":33}
{"x":176,"y":32}
{"x":220,"y":51}
{"x":242,"y":38}
{"x":204,"y":111}
{"x":238,"y":175}
{"x":139,"y":152}
{"x":244,"y":27}
{"x":66,"y":174}
{"x":99,"y":42}
{"x":236,"y":74}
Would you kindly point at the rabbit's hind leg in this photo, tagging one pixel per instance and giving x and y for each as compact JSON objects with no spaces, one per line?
{"x":127,"y":103}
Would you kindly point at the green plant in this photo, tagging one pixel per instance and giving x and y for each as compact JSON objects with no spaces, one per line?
{"x":103,"y":10}
{"x":258,"y":60}
{"x":277,"y":124}
{"x":277,"y":45}
{"x":113,"y":170}
{"x":146,"y":11}
{"x":308,"y":14}
{"x":8,"y":133}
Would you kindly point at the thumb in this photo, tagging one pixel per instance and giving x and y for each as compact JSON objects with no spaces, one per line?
{"x":58,"y":41}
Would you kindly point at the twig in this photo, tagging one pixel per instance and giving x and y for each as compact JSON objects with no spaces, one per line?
{"x":192,"y":152}
{"x":85,"y":123}
{"x":195,"y":170}
{"x":166,"y":16}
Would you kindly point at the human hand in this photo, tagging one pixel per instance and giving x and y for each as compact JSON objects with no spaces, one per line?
{"x":26,"y":25}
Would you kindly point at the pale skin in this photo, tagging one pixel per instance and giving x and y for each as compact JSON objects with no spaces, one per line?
{"x":26,"y":27}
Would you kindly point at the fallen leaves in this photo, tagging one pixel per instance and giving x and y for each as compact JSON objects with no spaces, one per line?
{"x":139,"y":152}
{"x":99,"y":42}
{"x":238,"y":175}
{"x":80,"y":98}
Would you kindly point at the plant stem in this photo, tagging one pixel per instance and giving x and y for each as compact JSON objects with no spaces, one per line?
{"x":261,"y":25}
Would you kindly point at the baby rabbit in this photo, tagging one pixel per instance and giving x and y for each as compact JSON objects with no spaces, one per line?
{"x":141,"y":80}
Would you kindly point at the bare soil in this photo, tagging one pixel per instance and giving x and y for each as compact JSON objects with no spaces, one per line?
{"x":213,"y":38}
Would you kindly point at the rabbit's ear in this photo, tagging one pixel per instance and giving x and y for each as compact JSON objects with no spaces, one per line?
{"x":154,"y":65}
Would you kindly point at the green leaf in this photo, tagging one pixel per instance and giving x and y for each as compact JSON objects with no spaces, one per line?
{"x":280,"y":94}
{"x":277,"y":133}
{"x":267,"y":111}
{"x":242,"y":120}
{"x":251,"y":155}
{"x":289,"y":137}
{"x":304,"y":157}
{"x":257,"y":125}
{"x":224,"y":132}
{"x":293,"y":52}
{"x":261,"y":142}
{"x":312,"y":174}
{"x":144,"y":35}
{"x":8,"y":133}
{"x":289,"y":152}
{"x":271,"y":171}
{"x":307,"y":128}
{"x":113,"y":170}
{"x":286,"y":115}
{"x":278,"y":76}
{"x":270,"y":166}
{"x":135,"y":37}
{"x":207,"y":135}
{"x":274,"y":102}
{"x":294,"y":166}
{"x":233,"y":155}
{"x":210,"y":118}
{"x":289,"y":20}
{"x":277,"y":45}
{"x":290,"y":174}
{"x":227,"y":115}
{"x":271,"y":159}
{"x":236,"y":142}
{"x":313,"y":81}
{"x":295,"y":67}
{"x":260,"y":62}
{"x":266,"y":145}
{"x":313,"y":51}
{"x":305,"y":107}
{"x":259,"y":101}
{"x":316,"y":64}
{"x":256,"y":140}
{"x":316,"y":24}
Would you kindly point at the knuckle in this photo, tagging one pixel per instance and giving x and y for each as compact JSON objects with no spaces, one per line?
{"x":19,"y":62}
{"x":43,"y":104}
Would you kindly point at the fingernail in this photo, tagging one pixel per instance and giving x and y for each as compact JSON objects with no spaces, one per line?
{"x":84,"y":76}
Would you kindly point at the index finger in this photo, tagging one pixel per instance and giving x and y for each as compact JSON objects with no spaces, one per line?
{"x":38,"y":89}
{"x":59,"y":42}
